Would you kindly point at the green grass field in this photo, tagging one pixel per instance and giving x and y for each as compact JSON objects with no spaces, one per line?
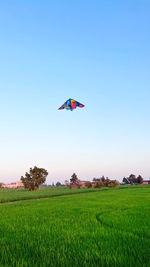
{"x":12,"y":195}
{"x":104,"y":228}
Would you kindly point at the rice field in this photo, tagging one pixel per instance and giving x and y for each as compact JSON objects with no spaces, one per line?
{"x":12,"y":195}
{"x":104,"y":228}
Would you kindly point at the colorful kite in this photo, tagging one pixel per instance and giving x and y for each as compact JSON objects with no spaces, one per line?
{"x":71,"y":104}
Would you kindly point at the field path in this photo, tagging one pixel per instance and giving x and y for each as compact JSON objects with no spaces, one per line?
{"x":112,"y":226}
{"x":2,"y":202}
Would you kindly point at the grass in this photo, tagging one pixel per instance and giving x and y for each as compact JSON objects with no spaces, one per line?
{"x":106,"y":228}
{"x":12,"y":195}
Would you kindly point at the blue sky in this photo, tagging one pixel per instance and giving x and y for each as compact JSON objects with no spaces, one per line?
{"x":96,"y":52}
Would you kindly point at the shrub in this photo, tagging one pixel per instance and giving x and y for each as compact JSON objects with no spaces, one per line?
{"x":88,"y":184}
{"x":113,"y":183}
{"x":99,"y":184}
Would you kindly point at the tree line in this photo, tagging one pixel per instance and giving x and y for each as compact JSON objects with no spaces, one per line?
{"x":132,"y":179}
{"x":37,"y":176}
{"x":97,"y":182}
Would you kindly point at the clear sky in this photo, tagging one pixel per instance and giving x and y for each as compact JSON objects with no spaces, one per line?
{"x":97,"y":52}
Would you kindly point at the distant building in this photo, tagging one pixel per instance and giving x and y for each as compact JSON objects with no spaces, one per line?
{"x":19,"y":184}
{"x":146,"y":182}
{"x":74,"y":186}
{"x":13,"y":185}
{"x":82,"y":184}
{"x":66,"y":183}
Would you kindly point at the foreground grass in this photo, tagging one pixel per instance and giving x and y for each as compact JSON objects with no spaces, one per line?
{"x":107,"y":228}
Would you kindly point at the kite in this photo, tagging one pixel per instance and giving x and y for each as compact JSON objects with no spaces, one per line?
{"x":71,"y":104}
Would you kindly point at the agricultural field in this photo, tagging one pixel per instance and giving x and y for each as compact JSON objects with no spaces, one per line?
{"x":101,"y":228}
{"x":12,"y":195}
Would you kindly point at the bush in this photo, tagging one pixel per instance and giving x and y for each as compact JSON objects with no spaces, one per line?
{"x":113,"y":183}
{"x":99,"y":184}
{"x":88,"y":184}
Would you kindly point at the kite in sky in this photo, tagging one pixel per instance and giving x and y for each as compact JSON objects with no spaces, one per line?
{"x":71,"y":104}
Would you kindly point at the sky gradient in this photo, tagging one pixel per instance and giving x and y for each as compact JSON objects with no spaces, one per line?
{"x":97,"y":52}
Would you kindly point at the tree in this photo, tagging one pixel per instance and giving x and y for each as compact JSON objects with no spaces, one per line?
{"x":96,"y":179}
{"x":139,"y":179}
{"x":125,"y":180}
{"x":106,"y":183}
{"x":34,"y":178}
{"x":103,"y":179}
{"x":58,"y":184}
{"x":74,"y":179}
{"x":132,"y":179}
